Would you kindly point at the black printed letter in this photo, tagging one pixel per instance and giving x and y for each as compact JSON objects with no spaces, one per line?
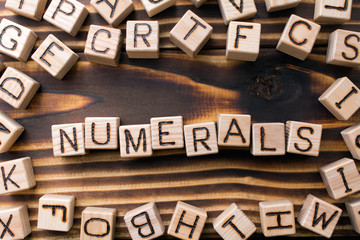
{"x":141,"y":226}
{"x":181,"y":223}
{"x":294,"y":25}
{"x":15,"y":43}
{"x":197,"y":23}
{"x":94,"y":38}
{"x":143,"y":36}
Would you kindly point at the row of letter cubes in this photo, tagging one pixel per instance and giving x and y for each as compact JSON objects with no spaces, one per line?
{"x":200,"y":139}
{"x":56,"y":213}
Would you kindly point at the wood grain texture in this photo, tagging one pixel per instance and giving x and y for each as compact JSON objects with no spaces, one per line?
{"x":275,"y":88}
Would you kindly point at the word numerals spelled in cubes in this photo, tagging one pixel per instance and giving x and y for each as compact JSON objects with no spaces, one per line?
{"x":191,"y":33}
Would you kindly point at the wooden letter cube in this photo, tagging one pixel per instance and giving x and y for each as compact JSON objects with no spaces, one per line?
{"x":353,"y":209}
{"x":277,"y":218}
{"x":351,"y":137}
{"x":319,"y":216}
{"x":342,"y":98}
{"x":33,"y":9}
{"x":167,"y":133}
{"x":16,"y":223}
{"x":135,"y":141}
{"x":237,"y":10}
{"x":56,"y":212}
{"x":268,"y":139}
{"x":154,"y":7}
{"x":16,"y":41}
{"x":332,"y":11}
{"x":17,"y":88}
{"x":144,"y":222}
{"x":187,"y":222}
{"x":103,"y":45}
{"x":343,"y":48}
{"x":10,"y":131}
{"x":68,"y":15}
{"x":341,"y":178}
{"x":98,"y":223}
{"x":114,"y":12}
{"x":102,"y":132}
{"x":200,"y":139}
{"x":55,"y":57}
{"x":243,"y":41}
{"x":303,"y":138}
{"x":142,"y":39}
{"x":68,"y":139}
{"x":234,"y":130}
{"x":233,"y":224}
{"x":277,"y":5}
{"x":298,"y":37}
{"x":17,"y":175}
{"x":191,"y":33}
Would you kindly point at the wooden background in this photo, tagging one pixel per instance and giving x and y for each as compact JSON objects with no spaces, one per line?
{"x":276,"y":87}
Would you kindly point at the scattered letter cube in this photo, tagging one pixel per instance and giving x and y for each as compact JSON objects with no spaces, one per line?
{"x":332,"y":11}
{"x":187,"y":222}
{"x":342,"y":98}
{"x":233,"y":224}
{"x":277,"y":5}
{"x":10,"y":130}
{"x":68,"y":139}
{"x":16,"y":223}
{"x":144,"y":222}
{"x":16,"y":41}
{"x":303,"y":138}
{"x":353,"y":209}
{"x":191,"y":33}
{"x":319,"y":216}
{"x":56,"y":212}
{"x":55,"y":57}
{"x":298,"y":37}
{"x":277,"y":218}
{"x":114,"y":12}
{"x":67,"y":15}
{"x":17,"y":175}
{"x":17,"y":88}
{"x":98,"y":223}
{"x":153,"y":7}
{"x":33,"y":9}
{"x":341,"y":178}
{"x":103,"y":45}
{"x":237,"y":10}
{"x":142,"y":39}
{"x":351,"y":137}
{"x":343,"y":48}
{"x":243,"y":41}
